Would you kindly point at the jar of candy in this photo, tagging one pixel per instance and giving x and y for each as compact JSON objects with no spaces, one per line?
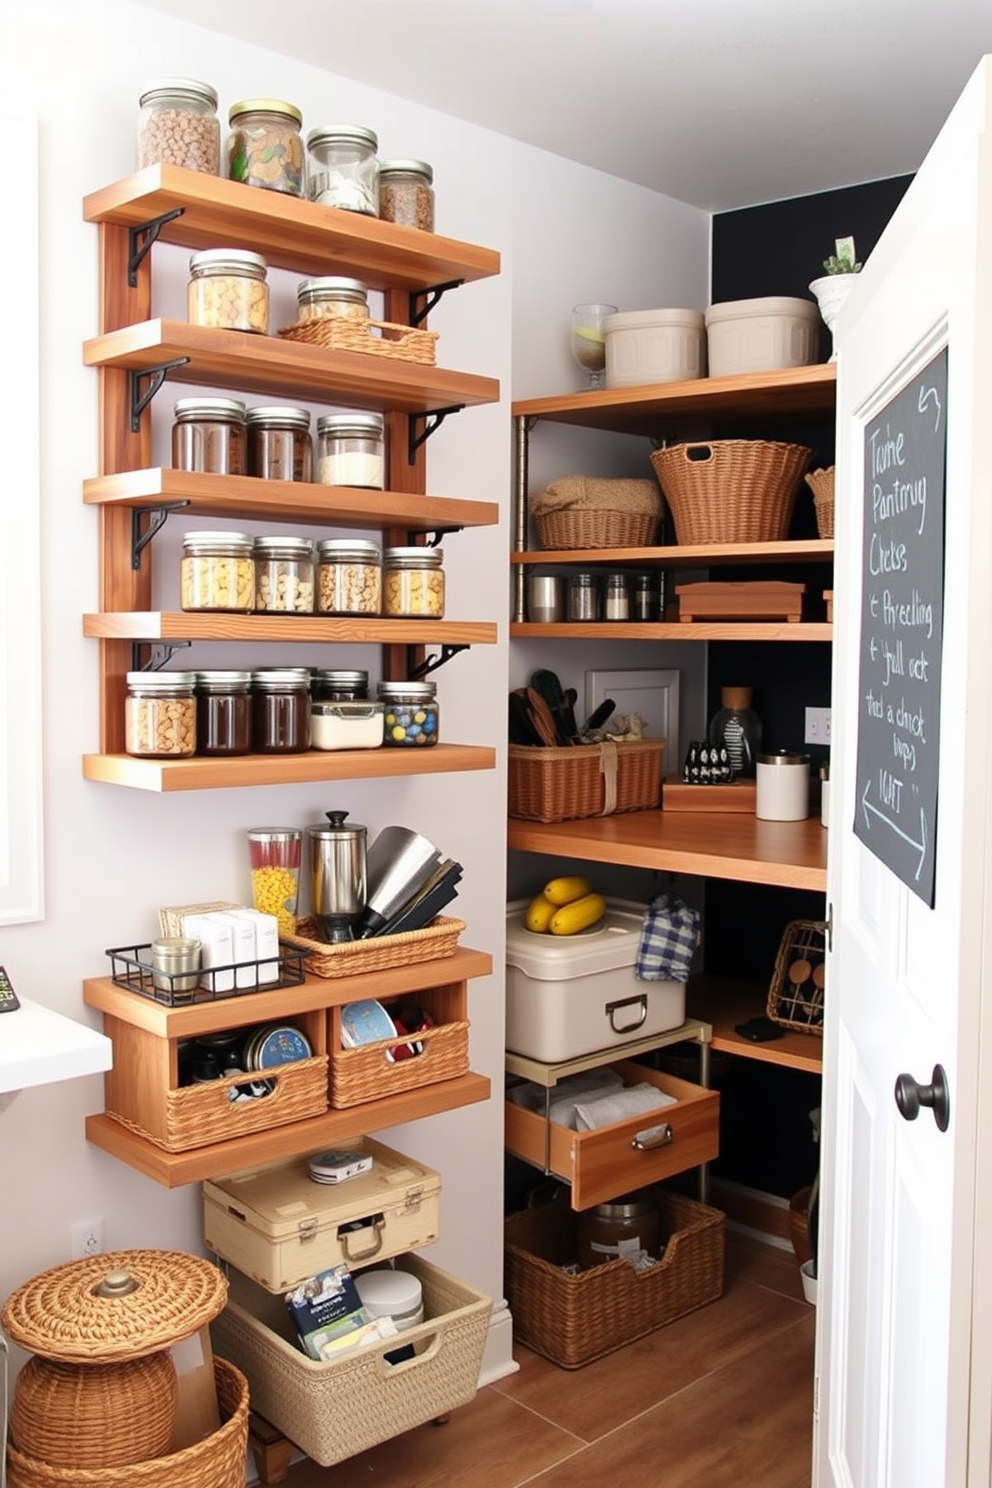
{"x":350,"y":450}
{"x":284,"y":574}
{"x":217,"y":572}
{"x":223,"y":713}
{"x":279,"y":444}
{"x":160,"y":715}
{"x":410,"y":713}
{"x":265,"y":146}
{"x":413,"y":583}
{"x":344,"y":168}
{"x":349,"y":577}
{"x":227,"y":290}
{"x":208,"y":435}
{"x":332,"y":295}
{"x":406,"y":193}
{"x":281,"y":710}
{"x":178,"y":125}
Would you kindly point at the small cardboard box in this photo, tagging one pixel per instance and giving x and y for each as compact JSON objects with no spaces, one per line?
{"x":197,"y":1411}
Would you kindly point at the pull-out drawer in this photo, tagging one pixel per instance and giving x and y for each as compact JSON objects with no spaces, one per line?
{"x":617,"y":1159}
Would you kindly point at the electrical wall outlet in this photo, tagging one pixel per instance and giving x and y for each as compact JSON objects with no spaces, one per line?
{"x":817,"y":726}
{"x":87,"y":1238}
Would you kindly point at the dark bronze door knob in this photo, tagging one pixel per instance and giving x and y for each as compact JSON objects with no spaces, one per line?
{"x":910,"y":1097}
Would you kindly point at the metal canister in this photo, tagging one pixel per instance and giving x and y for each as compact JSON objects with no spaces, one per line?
{"x":338,"y":874}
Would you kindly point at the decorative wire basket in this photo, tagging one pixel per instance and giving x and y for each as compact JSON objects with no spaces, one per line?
{"x":795,"y":997}
{"x":375,"y":337}
{"x":131,"y":968}
{"x":731,"y":490}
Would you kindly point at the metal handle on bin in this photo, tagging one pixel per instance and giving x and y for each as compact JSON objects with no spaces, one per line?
{"x":639,"y":1001}
{"x":652,"y":1137}
{"x":378,"y":1225}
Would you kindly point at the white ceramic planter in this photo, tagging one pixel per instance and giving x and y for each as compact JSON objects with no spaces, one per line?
{"x":831,"y":291}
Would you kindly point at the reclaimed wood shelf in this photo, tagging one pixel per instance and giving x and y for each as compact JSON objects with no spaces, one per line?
{"x":211,"y":625}
{"x":678,"y":630}
{"x":691,"y":555}
{"x":724,"y":1002}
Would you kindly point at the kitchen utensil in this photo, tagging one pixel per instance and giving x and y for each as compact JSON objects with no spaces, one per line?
{"x":546,"y":683}
{"x":521,"y":723}
{"x":571,"y":698}
{"x":399,"y":863}
{"x":543,"y":717}
{"x":338,"y":874}
{"x":594,"y":723}
{"x":429,"y":902}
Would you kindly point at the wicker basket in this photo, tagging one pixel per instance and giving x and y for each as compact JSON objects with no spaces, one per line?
{"x":371,"y":1072}
{"x":549,"y":784}
{"x":218,"y":1461}
{"x":799,"y":1225}
{"x":731,"y":490}
{"x":351,"y":957}
{"x":821,"y":483}
{"x":573,"y":1319}
{"x":586,"y":511}
{"x":561,"y":530}
{"x":95,"y":1415}
{"x":376,"y":337}
{"x":795,"y":997}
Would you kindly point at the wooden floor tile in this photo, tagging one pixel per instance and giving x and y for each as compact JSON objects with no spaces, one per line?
{"x":764,"y":1264}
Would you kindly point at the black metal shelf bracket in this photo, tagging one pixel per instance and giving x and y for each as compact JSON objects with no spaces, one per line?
{"x":141,"y":238}
{"x":140,"y":400}
{"x":423,"y":301}
{"x":431,"y":663}
{"x":159,"y":653}
{"x":157,"y":518}
{"x":432,"y":421}
{"x":435,"y":538}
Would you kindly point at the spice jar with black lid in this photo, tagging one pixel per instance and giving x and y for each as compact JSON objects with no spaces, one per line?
{"x":279,"y":444}
{"x":406,"y":193}
{"x":208,"y":436}
{"x":178,"y":125}
{"x":265,"y":146}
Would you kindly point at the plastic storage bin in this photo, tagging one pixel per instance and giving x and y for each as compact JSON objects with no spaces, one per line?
{"x":644,"y":346}
{"x":767,"y":334}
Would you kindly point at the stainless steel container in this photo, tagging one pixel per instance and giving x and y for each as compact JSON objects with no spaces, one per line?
{"x":338,"y":874}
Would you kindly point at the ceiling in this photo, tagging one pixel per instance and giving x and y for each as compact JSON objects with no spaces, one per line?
{"x":719,"y":103}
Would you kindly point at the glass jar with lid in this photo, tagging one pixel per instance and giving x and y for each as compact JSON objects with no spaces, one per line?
{"x":406,"y":193}
{"x":410,"y":713}
{"x":349,"y":577}
{"x":344,"y":168}
{"x":281,"y":710}
{"x":223,"y":713}
{"x":217,"y":572}
{"x":350,"y":450}
{"x":339,"y":686}
{"x":625,"y":1227}
{"x":160,"y":715}
{"x":332,"y":295}
{"x":265,"y":146}
{"x":616,"y":597}
{"x":227,"y":290}
{"x":583,"y":597}
{"x":284,"y":574}
{"x":413,"y":583}
{"x":279,"y":444}
{"x":208,"y":435}
{"x":178,"y":125}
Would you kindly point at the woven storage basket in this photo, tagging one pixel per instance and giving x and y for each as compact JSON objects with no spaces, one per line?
{"x":375,"y":337}
{"x":368,"y":1073}
{"x":218,"y":1461}
{"x":731,"y":490}
{"x":573,"y":1319}
{"x":821,"y":483}
{"x":582,"y":511}
{"x":337,"y":1409}
{"x":351,"y":957}
{"x":795,"y":996}
{"x":562,"y":530}
{"x":550,"y":784}
{"x":95,"y":1415}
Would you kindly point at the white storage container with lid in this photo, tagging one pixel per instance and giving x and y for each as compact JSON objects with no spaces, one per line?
{"x":768,"y":334}
{"x":645,"y":346}
{"x":393,"y":1294}
{"x":569,"y":995}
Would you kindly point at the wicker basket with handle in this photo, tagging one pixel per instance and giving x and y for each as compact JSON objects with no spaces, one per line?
{"x":352,"y":957}
{"x":731,"y":490}
{"x":551,"y":784}
{"x":384,"y":338}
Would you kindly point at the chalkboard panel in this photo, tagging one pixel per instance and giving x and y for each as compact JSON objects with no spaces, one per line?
{"x":902,"y":608}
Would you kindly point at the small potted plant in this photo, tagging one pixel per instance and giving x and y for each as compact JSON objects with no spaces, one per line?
{"x":832,"y":288}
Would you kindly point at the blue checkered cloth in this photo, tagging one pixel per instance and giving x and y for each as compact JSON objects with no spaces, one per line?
{"x":668,"y":939}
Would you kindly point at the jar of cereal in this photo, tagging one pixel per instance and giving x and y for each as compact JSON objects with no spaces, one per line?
{"x":217,"y":572}
{"x":406,"y":193}
{"x":344,"y":169}
{"x":284,"y":574}
{"x":410,"y":713}
{"x":178,"y":125}
{"x":227,"y":290}
{"x":316,"y":299}
{"x":279,"y":444}
{"x":265,"y":147}
{"x":160,"y":715}
{"x":349,"y":577}
{"x":413,"y":583}
{"x":350,"y":450}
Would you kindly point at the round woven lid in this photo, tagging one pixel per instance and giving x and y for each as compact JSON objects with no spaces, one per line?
{"x":61,"y":1314}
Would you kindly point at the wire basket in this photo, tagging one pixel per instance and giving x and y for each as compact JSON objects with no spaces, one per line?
{"x":351,"y":957}
{"x":731,"y":490}
{"x":131,"y":968}
{"x":550,"y":784}
{"x":795,"y":997}
{"x":374,"y":337}
{"x":821,"y":483}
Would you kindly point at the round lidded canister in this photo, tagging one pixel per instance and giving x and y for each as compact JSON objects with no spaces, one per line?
{"x":217,"y":572}
{"x":160,"y":715}
{"x":227,"y":290}
{"x":265,"y":146}
{"x":394,"y":1294}
{"x":208,"y":435}
{"x":410,"y":713}
{"x":223,"y":712}
{"x":628,"y":1224}
{"x":178,"y":125}
{"x":349,"y":577}
{"x":350,"y":450}
{"x":176,"y":966}
{"x":339,"y":686}
{"x":344,"y":168}
{"x":331,"y":295}
{"x":413,"y":582}
{"x":284,"y":574}
{"x":406,"y":193}
{"x":279,"y":444}
{"x":281,"y":710}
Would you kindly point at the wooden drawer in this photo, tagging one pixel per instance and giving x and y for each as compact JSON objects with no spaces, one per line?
{"x":604,"y":1163}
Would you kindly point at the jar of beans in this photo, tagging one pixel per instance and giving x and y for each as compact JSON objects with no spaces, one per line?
{"x":413,"y":583}
{"x":227,"y":290}
{"x":316,"y":299}
{"x":217,"y":572}
{"x":223,"y":713}
{"x":279,"y":444}
{"x":160,"y":715}
{"x":410,"y":713}
{"x":178,"y":125}
{"x":265,"y":147}
{"x":339,"y":686}
{"x":343,"y":168}
{"x":208,"y":435}
{"x":350,"y":450}
{"x":281,"y":710}
{"x":406,"y":193}
{"x":284,"y":574}
{"x":349,"y":577}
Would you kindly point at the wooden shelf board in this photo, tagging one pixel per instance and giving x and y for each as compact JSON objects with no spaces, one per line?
{"x":269,"y":364}
{"x":683,"y":630}
{"x":289,"y":233}
{"x":692,"y":555}
{"x":173,"y":1169}
{"x":724,"y":1002}
{"x":205,"y":625}
{"x":706,"y":844}
{"x":269,"y":500}
{"x":201,"y":773}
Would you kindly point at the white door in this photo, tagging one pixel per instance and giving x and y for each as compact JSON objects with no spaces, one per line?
{"x":905,"y":977}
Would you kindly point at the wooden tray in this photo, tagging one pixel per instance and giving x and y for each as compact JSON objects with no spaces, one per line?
{"x":758,"y":600}
{"x":735,"y":795}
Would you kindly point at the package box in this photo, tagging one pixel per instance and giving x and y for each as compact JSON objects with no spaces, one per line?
{"x":242,"y":947}
{"x":216,"y":939}
{"x":266,"y":931}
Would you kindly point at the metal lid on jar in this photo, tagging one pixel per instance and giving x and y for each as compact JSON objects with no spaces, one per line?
{"x":281,"y":679}
{"x":331,"y":549}
{"x":343,"y":134}
{"x":228,"y":261}
{"x":425,"y":691}
{"x":264,"y":106}
{"x":406,"y":168}
{"x":161,"y":681}
{"x":221,"y":681}
{"x":300,"y":547}
{"x":783,"y":757}
{"x":367,"y":424}
{"x":212,"y":410}
{"x":331,"y":287}
{"x":183,"y":90}
{"x":225,"y":542}
{"x":279,"y":418}
{"x":340,"y":677}
{"x":414,"y":557}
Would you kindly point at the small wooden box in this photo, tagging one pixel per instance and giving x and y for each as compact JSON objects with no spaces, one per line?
{"x":732,"y":795}
{"x":760,"y":600}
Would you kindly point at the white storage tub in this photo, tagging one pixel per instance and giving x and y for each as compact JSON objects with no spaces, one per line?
{"x":646,"y":346}
{"x":768,"y":334}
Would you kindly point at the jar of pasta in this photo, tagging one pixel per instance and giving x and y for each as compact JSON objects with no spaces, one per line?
{"x":410,"y":713}
{"x":281,"y":710}
{"x":217,"y":572}
{"x":227,"y":290}
{"x":349,"y":577}
{"x":284,"y":574}
{"x":332,"y":295}
{"x":413,"y":583}
{"x":160,"y":715}
{"x":350,"y":450}
{"x":178,"y":125}
{"x":344,"y":168}
{"x":406,"y":193}
{"x":279,"y":444}
{"x":265,"y":146}
{"x":208,"y":435}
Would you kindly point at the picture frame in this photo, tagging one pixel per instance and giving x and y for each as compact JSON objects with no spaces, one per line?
{"x":651,"y":692}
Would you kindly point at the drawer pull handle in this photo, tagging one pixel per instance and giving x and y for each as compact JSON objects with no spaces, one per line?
{"x":612,"y":1008}
{"x":653,"y":1136}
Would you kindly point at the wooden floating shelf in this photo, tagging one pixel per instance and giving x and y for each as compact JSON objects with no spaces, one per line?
{"x":692,"y":555}
{"x":206,"y":625}
{"x":664,"y":630}
{"x":203,"y":773}
{"x":724,"y":1002}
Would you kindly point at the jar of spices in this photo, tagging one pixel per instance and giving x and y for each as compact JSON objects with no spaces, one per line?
{"x":279,"y":444}
{"x":281,"y":710}
{"x":223,"y":713}
{"x":410,"y":713}
{"x":217,"y":572}
{"x":616,"y":597}
{"x":350,"y":450}
{"x":413,"y":583}
{"x":284,"y":574}
{"x":344,"y":169}
{"x":332,"y":294}
{"x":339,"y":686}
{"x":208,"y":435}
{"x":227,"y":290}
{"x":349,"y":577}
{"x":178,"y":125}
{"x":644,"y":598}
{"x":160,"y":715}
{"x":583,"y":597}
{"x":265,"y":147}
{"x":621,"y":1228}
{"x":406,"y":193}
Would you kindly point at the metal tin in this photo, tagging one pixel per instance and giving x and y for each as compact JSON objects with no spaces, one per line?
{"x":410,"y":714}
{"x":208,"y":435}
{"x":160,"y":715}
{"x":227,"y":290}
{"x":281,"y":710}
{"x":284,"y":575}
{"x":406,"y":193}
{"x":172,"y":957}
{"x":178,"y":125}
{"x":350,"y":450}
{"x":344,"y":169}
{"x":349,"y":577}
{"x":265,"y":147}
{"x":223,"y":713}
{"x":279,"y":444}
{"x":217,"y":572}
{"x":413,"y":582}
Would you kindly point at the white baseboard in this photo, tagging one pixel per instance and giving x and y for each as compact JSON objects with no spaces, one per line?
{"x":497,"y":1357}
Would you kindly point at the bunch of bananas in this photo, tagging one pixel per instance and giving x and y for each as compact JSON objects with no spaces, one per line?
{"x":565,"y":906}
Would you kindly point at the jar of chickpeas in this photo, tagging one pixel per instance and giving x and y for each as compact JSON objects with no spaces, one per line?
{"x":284,"y":574}
{"x":160,"y":715}
{"x":265,"y":146}
{"x":217,"y":572}
{"x":413,"y":583}
{"x":349,"y":577}
{"x":227,"y":290}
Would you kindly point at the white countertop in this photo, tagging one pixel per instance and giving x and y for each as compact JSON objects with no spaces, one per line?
{"x":39,"y":1046}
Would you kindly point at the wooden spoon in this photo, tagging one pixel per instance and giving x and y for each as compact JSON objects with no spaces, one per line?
{"x":799,"y":972}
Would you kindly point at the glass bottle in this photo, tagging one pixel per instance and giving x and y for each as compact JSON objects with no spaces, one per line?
{"x":737,"y":727}
{"x":265,"y":147}
{"x":406,"y":193}
{"x":178,"y":125}
{"x":344,"y":168}
{"x":616,"y":597}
